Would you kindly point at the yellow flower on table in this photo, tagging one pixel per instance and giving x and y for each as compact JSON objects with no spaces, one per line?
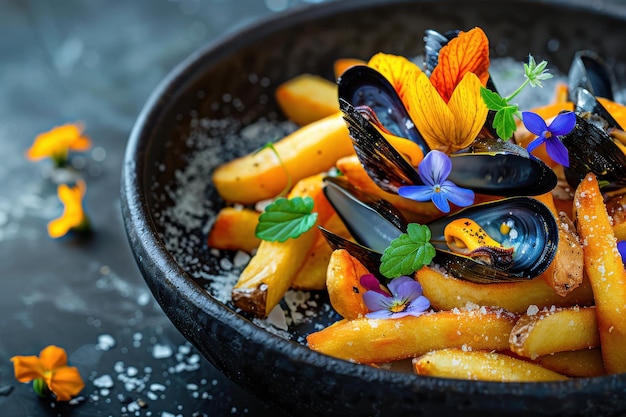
{"x":73,"y":217}
{"x":58,"y":142}
{"x":49,"y":368}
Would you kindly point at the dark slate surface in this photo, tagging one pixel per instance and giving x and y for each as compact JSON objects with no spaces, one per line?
{"x":96,"y":62}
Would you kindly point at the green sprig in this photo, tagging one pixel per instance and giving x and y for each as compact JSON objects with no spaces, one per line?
{"x":506,"y":112}
{"x":408,"y":252}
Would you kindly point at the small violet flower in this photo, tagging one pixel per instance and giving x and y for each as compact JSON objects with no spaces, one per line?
{"x":621,"y":247}
{"x":403,"y":299}
{"x":561,"y":125}
{"x":434,"y":170}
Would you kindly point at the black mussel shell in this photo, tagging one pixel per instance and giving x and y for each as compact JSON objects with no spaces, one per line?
{"x":589,"y":71}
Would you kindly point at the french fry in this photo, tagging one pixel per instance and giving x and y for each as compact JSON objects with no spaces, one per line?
{"x":344,"y":287}
{"x":305,"y":152}
{"x":312,"y":273}
{"x":579,"y":363}
{"x":366,"y":340}
{"x":234,"y":230}
{"x":606,"y":272}
{"x":268,"y":275}
{"x":446,"y":293}
{"x":307,"y":98}
{"x":555,"y":330}
{"x":342,"y":64}
{"x":484,"y":366}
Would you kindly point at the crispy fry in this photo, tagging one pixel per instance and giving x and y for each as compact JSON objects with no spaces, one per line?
{"x":342,"y":64}
{"x":484,"y":366}
{"x":271,"y":270}
{"x":606,"y":272}
{"x":312,"y":273}
{"x":446,"y":292}
{"x":344,"y":287}
{"x":307,"y":98}
{"x":555,"y":330}
{"x":579,"y":363}
{"x":366,"y":340}
{"x":307,"y":151}
{"x":234,"y":230}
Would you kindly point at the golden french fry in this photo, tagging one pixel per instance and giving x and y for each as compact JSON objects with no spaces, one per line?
{"x":579,"y":363}
{"x":307,"y":98}
{"x":483,"y":366}
{"x":342,"y":64}
{"x":344,"y":287}
{"x":555,"y":330}
{"x":606,"y":272}
{"x":233,"y":229}
{"x":312,"y":273}
{"x":446,"y":293}
{"x":268,"y":275}
{"x":366,"y":340}
{"x":307,"y":151}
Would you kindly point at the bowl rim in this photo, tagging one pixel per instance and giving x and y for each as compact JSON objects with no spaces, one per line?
{"x":140,"y":225}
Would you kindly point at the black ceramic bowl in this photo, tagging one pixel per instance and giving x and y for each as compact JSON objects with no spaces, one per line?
{"x":192,"y":122}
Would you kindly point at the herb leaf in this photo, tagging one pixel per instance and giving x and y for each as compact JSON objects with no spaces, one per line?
{"x":408,"y":252}
{"x":504,"y":119}
{"x":286,"y":218}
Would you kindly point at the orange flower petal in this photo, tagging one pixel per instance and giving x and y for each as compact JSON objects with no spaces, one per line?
{"x":468,"y":52}
{"x":65,"y":382}
{"x":398,"y":70}
{"x":431,"y":115}
{"x":58,"y":141}
{"x":73,"y":213}
{"x":27,"y":368}
{"x":469,"y":109}
{"x":53,"y":357}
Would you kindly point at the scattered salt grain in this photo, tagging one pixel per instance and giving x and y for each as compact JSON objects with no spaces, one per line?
{"x":105,"y":342}
{"x":103,"y":381}
{"x":532,"y":310}
{"x":162,"y":351}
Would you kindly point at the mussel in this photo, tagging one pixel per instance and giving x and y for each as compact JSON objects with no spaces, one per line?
{"x":363,"y":86}
{"x":590,"y":145}
{"x":521,"y":223}
{"x":498,"y":171}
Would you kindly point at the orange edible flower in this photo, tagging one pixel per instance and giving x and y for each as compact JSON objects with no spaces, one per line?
{"x":50,"y":367}
{"x":57,"y":143}
{"x":468,"y":52}
{"x":450,"y":126}
{"x":73,"y":217}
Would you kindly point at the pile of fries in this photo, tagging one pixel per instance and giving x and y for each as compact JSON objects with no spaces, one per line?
{"x":568,"y":322}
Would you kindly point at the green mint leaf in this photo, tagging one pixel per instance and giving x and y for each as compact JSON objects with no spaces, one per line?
{"x":286,"y":218}
{"x":504,"y":121}
{"x":492,"y":99}
{"x":408,"y":252}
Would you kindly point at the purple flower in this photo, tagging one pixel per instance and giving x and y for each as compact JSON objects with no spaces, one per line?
{"x":561,"y":125}
{"x":621,"y":247}
{"x":405,"y":298}
{"x":434,"y":171}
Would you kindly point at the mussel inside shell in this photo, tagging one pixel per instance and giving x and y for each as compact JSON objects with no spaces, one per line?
{"x":521,"y":223}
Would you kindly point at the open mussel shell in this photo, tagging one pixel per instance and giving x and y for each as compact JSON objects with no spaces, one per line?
{"x":368,"y":258}
{"x":589,"y":71}
{"x":361,"y":85}
{"x":530,"y":228}
{"x":591,"y":149}
{"x":496,"y":171}
{"x":533,"y":233}
{"x":587,"y":105}
{"x":433,"y":42}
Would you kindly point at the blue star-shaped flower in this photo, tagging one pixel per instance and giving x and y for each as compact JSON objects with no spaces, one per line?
{"x":434,"y":170}
{"x":561,"y":125}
